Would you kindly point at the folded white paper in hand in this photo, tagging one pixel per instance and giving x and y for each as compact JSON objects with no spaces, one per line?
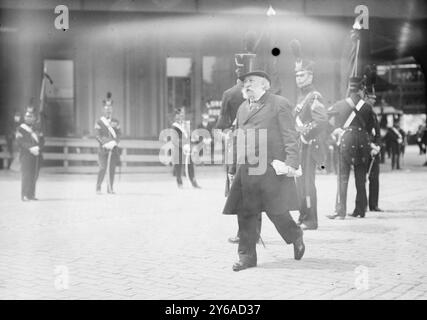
{"x":282,"y":168}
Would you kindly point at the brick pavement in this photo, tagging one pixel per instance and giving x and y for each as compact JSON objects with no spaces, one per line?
{"x":153,"y":241}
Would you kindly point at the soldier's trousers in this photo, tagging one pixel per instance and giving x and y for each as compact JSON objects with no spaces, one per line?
{"x":307,"y":190}
{"x":30,"y":166}
{"x":283,"y":222}
{"x":179,"y":167}
{"x":360,"y":179}
{"x":103,"y":162}
{"x":395,"y":160}
{"x":374,"y":183}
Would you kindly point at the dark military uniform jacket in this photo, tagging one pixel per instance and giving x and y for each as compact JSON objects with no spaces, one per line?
{"x":355,"y":141}
{"x":231,"y":101}
{"x":275,"y":193}
{"x":312,"y":121}
{"x":105,"y":132}
{"x":27,"y":138}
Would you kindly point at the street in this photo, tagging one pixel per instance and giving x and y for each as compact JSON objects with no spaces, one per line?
{"x":153,"y":241}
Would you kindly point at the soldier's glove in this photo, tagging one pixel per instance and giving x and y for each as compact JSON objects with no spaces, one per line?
{"x":35,"y":150}
{"x":375,"y":149}
{"x":399,"y":141}
{"x":110,"y":145}
{"x":186,"y":148}
{"x":337,"y":132}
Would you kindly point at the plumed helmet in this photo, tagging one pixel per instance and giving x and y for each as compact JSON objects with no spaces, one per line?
{"x":108,"y":102}
{"x":301,"y":64}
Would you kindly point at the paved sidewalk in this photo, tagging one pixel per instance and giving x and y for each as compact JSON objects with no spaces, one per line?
{"x":153,"y":241}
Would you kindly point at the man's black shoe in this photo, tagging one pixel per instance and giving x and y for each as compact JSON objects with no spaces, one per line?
{"x":376,"y":209}
{"x":299,"y":248}
{"x":239,"y":266}
{"x":357,"y":214}
{"x":34,"y":199}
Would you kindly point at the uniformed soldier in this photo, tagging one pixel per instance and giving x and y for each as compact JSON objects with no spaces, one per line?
{"x":30,"y":144}
{"x":182,"y":159}
{"x":208,"y":126}
{"x":353,"y":120}
{"x":107,"y":133}
{"x":311,"y":122}
{"x":395,"y":138}
{"x":374,"y":166}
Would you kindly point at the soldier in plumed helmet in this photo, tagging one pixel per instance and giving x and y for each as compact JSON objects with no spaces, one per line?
{"x":311,"y":123}
{"x":30,"y":143}
{"x":107,"y":133}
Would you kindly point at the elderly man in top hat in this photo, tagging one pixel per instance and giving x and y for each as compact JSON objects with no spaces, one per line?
{"x":353,"y":120}
{"x":267,"y":162}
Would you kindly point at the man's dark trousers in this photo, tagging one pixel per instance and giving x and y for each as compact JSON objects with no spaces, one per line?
{"x":248,"y":222}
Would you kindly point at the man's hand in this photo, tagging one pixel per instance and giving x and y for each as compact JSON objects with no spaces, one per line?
{"x":375,"y":149}
{"x":35,"y":150}
{"x":282,"y":168}
{"x":292,"y":172}
{"x":110,"y":145}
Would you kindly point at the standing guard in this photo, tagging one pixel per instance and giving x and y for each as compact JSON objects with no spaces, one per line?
{"x":374,"y":166}
{"x":30,"y":143}
{"x":395,"y":138}
{"x":182,"y":160}
{"x":311,"y":122}
{"x":108,"y":134}
{"x":353,"y":120}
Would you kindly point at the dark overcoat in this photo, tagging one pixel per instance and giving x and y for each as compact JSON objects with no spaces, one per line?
{"x":252,"y":194}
